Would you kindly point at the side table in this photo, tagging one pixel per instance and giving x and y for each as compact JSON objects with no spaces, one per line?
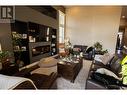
{"x":9,"y":70}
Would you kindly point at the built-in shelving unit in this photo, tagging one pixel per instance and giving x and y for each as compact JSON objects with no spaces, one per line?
{"x":20,"y":43}
{"x":33,"y":41}
{"x":42,"y":41}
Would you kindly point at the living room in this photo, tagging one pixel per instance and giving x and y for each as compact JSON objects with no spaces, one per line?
{"x":38,"y":28}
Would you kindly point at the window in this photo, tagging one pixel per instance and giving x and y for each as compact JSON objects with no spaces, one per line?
{"x":61,"y":26}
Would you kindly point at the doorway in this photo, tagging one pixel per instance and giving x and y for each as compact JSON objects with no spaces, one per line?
{"x":120,"y":41}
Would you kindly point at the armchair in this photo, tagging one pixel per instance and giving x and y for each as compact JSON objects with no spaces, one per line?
{"x":81,"y":47}
{"x":89,"y":53}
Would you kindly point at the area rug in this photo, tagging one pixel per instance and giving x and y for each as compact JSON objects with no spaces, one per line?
{"x":80,"y":80}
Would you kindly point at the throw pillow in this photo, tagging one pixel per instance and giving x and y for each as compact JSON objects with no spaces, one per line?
{"x":107,"y":72}
{"x":97,"y":57}
{"x":45,"y":71}
{"x":106,"y":58}
{"x":48,"y":62}
{"x":108,"y":81}
{"x":115,"y":65}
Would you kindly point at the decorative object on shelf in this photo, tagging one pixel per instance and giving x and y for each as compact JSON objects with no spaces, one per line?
{"x":31,"y":39}
{"x":23,"y":48}
{"x":16,"y":39}
{"x":53,"y":41}
{"x":24,"y":36}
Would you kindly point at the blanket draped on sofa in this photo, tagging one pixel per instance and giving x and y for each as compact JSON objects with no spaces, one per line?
{"x":10,"y":82}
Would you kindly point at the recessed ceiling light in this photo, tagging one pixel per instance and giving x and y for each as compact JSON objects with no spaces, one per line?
{"x":123,"y":16}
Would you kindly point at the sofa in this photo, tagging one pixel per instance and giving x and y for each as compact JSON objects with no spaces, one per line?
{"x":113,"y":66}
{"x":39,"y":75}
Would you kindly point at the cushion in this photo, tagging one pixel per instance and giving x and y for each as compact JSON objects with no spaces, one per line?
{"x":107,"y":72}
{"x":108,"y":81}
{"x":48,"y":62}
{"x":97,"y":57}
{"x":89,"y":49}
{"x":106,"y":58}
{"x":45,"y":71}
{"x":115,"y":64}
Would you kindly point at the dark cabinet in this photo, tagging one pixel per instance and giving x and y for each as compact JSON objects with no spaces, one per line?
{"x":32,"y":41}
{"x":20,"y":42}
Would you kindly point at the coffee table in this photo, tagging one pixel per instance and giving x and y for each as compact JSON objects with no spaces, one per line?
{"x":69,"y":70}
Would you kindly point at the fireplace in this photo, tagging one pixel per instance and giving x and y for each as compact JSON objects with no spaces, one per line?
{"x":39,"y":50}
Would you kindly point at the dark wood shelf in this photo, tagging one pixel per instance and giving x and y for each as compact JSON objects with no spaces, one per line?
{"x":19,"y":28}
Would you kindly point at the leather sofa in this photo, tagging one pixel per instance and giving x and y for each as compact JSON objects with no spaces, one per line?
{"x":113,"y":65}
{"x":89,"y":53}
{"x":43,"y":74}
{"x":41,"y":81}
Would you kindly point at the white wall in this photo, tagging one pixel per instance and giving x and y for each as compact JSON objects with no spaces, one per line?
{"x":86,"y":25}
{"x":5,"y":37}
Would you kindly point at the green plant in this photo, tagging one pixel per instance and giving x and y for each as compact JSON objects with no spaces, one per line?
{"x":105,"y":51}
{"x":16,"y":39}
{"x":4,"y":55}
{"x":98,"y":46}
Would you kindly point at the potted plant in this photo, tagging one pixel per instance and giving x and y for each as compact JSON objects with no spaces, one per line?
{"x":16,"y":39}
{"x":4,"y":55}
{"x":98,"y":46}
{"x":6,"y":58}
